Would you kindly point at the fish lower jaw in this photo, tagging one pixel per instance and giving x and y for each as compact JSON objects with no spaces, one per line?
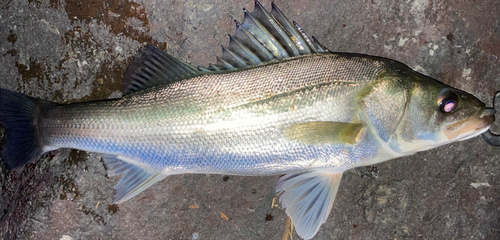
{"x":487,"y":118}
{"x":473,"y":135}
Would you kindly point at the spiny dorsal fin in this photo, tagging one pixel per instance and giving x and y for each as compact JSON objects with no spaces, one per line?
{"x":277,"y":31}
{"x":295,"y":36}
{"x":152,"y":67}
{"x":264,"y":36}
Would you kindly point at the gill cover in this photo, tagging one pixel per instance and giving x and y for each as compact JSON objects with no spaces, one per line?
{"x":383,"y":105}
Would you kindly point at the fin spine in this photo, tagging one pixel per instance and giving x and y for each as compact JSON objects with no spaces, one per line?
{"x":265,"y":36}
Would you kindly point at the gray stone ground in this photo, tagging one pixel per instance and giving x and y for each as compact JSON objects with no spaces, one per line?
{"x":76,"y":50}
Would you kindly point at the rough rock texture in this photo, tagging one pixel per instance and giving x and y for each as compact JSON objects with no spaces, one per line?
{"x":75,"y":50}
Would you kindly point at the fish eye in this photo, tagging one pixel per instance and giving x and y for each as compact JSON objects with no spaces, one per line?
{"x":448,"y":101}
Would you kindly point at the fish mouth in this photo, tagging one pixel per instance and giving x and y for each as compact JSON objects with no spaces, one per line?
{"x":470,"y":127}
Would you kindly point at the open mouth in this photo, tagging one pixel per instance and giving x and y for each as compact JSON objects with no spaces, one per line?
{"x":470,"y":127}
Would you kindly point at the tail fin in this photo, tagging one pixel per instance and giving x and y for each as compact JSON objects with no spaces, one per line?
{"x":19,"y":116}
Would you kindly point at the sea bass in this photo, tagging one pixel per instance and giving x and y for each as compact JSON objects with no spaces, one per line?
{"x":276,"y":102}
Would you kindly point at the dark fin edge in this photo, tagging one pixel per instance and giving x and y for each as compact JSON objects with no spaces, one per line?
{"x":19,"y":115}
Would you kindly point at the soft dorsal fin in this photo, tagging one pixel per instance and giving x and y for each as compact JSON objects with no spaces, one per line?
{"x":264,"y":36}
{"x":152,"y":67}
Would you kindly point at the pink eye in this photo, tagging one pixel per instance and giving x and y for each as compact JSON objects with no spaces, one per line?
{"x":449,"y":106}
{"x":448,"y":101}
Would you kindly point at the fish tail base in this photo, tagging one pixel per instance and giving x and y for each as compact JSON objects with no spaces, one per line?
{"x":19,"y":117}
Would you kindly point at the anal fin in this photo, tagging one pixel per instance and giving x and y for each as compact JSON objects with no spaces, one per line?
{"x":308,"y":198}
{"x":135,"y":179}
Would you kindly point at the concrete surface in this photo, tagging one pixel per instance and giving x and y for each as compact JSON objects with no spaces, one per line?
{"x":76,"y":50}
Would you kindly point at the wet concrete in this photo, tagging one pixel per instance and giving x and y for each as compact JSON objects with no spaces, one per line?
{"x":73,"y":50}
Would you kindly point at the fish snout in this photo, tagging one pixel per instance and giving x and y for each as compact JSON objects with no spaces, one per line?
{"x":488,"y":116}
{"x":471,"y":127}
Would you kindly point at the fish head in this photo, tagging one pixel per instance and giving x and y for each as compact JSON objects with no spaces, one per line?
{"x":411,"y":112}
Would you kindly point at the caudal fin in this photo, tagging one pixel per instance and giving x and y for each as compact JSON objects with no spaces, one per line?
{"x":19,"y":116}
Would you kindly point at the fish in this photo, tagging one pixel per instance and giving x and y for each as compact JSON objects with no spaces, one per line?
{"x":275,"y":103}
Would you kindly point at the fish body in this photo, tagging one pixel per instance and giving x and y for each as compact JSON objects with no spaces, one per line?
{"x":229,"y":123}
{"x":274,"y":103}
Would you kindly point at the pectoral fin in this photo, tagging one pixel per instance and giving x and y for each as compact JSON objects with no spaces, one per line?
{"x":135,"y":179}
{"x":308,"y":198}
{"x":325,"y":132}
